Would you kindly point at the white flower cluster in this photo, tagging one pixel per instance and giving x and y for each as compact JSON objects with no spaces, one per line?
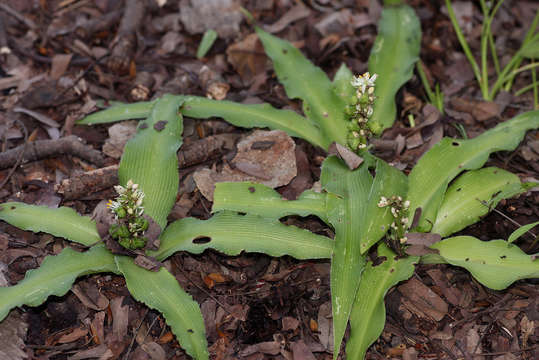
{"x":359,"y":131}
{"x":399,"y":210}
{"x":128,"y":202}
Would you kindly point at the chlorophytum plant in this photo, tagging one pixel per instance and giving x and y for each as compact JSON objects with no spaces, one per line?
{"x":370,"y":208}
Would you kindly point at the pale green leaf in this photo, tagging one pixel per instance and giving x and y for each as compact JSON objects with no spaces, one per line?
{"x":493,"y":263}
{"x":342,"y":85}
{"x":429,"y":179}
{"x":232,"y":233}
{"x":393,"y":57}
{"x":62,"y":222}
{"x":521,"y":231}
{"x":472,"y":195}
{"x":150,"y":159}
{"x":118,"y":112}
{"x":55,"y":277}
{"x":255,"y":115}
{"x":302,"y":80}
{"x":368,"y":313}
{"x":160,"y":291}
{"x":261,"y":200}
{"x":206,"y":43}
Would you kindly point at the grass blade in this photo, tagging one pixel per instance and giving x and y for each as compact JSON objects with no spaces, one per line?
{"x":62,"y":222}
{"x":160,"y":291}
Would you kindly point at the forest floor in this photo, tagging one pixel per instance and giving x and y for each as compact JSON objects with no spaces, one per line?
{"x":62,"y":58}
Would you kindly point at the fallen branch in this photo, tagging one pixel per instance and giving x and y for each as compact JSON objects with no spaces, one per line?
{"x":41,"y":149}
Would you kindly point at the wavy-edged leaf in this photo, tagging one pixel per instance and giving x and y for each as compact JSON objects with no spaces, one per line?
{"x":232,"y":233}
{"x":261,"y":200}
{"x":342,"y":85}
{"x":118,"y":112}
{"x":521,"y":231}
{"x":150,"y":159}
{"x":472,"y":195}
{"x":255,"y":115}
{"x":55,"y":277}
{"x":62,"y":222}
{"x":393,"y":57}
{"x":494,"y":263}
{"x":161,"y":291}
{"x":369,"y":314}
{"x":301,"y":79}
{"x":429,"y":179}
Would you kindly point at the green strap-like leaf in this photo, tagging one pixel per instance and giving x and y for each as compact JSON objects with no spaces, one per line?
{"x":261,"y":200}
{"x":393,"y":56}
{"x":150,"y":159}
{"x":493,"y":263}
{"x":472,"y":195}
{"x":62,"y":222}
{"x":118,"y":112}
{"x":255,"y":115}
{"x":232,"y":233}
{"x":302,"y":80}
{"x":347,"y":263}
{"x":429,"y":179}
{"x":369,"y":314}
{"x":55,"y":277}
{"x":160,"y":291}
{"x":521,"y":231}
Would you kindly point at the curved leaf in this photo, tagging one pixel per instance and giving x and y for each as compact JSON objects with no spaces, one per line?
{"x":342,"y":85}
{"x":150,"y":159}
{"x":206,"y":43}
{"x":429,"y":179}
{"x":521,"y":231}
{"x":232,"y":234}
{"x":62,"y":222}
{"x":301,"y":79}
{"x":369,"y":313}
{"x":55,"y":277}
{"x":160,"y":291}
{"x":118,"y":112}
{"x":472,"y":195}
{"x":495,"y":264}
{"x":393,"y":56}
{"x":261,"y":200}
{"x":256,"y":115}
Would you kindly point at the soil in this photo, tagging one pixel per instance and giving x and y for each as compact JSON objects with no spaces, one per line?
{"x":68,"y":57}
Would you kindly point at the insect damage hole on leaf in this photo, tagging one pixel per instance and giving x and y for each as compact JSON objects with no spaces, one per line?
{"x":201,"y":240}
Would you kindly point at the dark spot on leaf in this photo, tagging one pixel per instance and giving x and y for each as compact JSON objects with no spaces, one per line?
{"x":201,"y":240}
{"x":251,"y":189}
{"x":454,"y":143}
{"x":392,"y":270}
{"x":503,"y":257}
{"x":495,"y":172}
{"x":285,"y":51}
{"x":378,"y":261}
{"x":467,"y":259}
{"x":190,"y":331}
{"x":242,"y":213}
{"x":12,"y":207}
{"x":160,"y":125}
{"x":459,"y":189}
{"x":483,"y":262}
{"x":143,"y":126}
{"x":262,"y":145}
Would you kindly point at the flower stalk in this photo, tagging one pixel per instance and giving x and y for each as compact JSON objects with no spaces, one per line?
{"x":397,"y":231}
{"x":360,"y":111}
